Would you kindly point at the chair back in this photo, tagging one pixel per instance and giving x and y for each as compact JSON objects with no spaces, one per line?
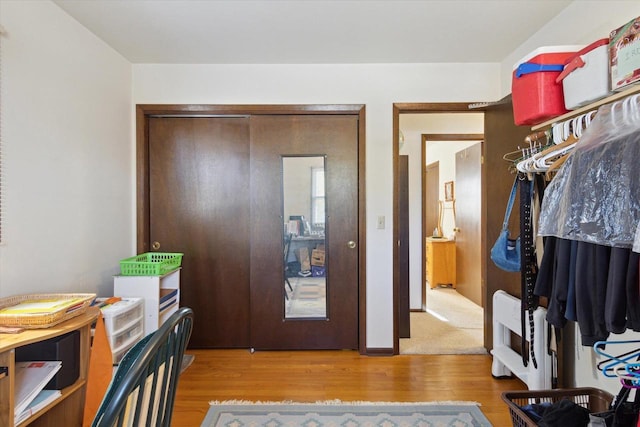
{"x":142,"y":391}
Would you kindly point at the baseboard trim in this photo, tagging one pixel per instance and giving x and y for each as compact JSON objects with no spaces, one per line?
{"x":382,"y":351}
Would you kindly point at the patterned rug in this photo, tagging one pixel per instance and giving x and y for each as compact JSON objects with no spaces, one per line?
{"x":345,"y":414}
{"x":308,"y":299}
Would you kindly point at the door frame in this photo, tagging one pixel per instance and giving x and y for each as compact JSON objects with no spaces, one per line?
{"x":417,"y":108}
{"x":143,"y":211}
{"x":404,"y":308}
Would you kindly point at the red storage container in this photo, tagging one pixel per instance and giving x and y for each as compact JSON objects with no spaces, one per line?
{"x":536,"y":95}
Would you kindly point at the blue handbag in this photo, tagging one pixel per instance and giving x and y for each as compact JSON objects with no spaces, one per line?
{"x":505,"y":252}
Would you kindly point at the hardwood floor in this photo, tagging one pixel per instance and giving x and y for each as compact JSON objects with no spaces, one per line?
{"x":308,"y":376}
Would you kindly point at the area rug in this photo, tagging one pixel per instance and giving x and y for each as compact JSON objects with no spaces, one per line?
{"x":308,"y":298}
{"x":345,"y":414}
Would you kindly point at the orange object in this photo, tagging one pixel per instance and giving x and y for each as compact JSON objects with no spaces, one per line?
{"x":112,"y":300}
{"x":100,"y":372}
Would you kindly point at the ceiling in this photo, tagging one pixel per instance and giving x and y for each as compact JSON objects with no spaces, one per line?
{"x":313,"y":31}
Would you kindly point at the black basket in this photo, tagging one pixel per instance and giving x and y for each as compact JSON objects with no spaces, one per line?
{"x":595,"y":400}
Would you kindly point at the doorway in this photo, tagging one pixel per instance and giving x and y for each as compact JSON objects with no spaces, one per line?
{"x":453,"y":196}
{"x":430,"y":110}
{"x":501,"y":136}
{"x":210,"y":185}
{"x":449,"y":320}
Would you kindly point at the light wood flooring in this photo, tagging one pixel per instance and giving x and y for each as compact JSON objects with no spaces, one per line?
{"x":307,"y":376}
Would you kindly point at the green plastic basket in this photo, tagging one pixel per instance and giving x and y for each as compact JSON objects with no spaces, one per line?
{"x":150,"y":264}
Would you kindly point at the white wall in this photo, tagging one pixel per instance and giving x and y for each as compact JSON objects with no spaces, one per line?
{"x":66,"y":127}
{"x":377,"y":86}
{"x":412,"y":127}
{"x":582,"y":22}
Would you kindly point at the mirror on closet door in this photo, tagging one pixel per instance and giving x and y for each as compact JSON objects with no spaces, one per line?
{"x":305,"y":272}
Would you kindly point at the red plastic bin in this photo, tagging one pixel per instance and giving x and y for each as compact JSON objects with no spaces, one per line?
{"x":535,"y":93}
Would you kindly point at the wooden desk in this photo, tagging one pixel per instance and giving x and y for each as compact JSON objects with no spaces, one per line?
{"x":441,"y":262}
{"x":65,"y":411}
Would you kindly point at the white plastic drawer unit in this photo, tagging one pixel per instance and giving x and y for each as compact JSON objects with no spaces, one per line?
{"x":122,"y":314}
{"x":127,"y":336}
{"x":119,"y":352}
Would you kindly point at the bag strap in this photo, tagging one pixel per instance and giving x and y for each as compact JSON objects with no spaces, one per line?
{"x":620,"y":398}
{"x":512,"y":199}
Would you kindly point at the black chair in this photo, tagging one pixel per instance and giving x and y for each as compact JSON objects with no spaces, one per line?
{"x":287,"y":244}
{"x":143,"y":389}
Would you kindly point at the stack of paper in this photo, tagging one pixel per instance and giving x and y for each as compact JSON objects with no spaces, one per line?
{"x":44,"y":306}
{"x":41,"y":400}
{"x":30,"y":379}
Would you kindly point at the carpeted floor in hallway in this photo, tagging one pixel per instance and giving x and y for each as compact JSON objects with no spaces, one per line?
{"x":452,"y":325}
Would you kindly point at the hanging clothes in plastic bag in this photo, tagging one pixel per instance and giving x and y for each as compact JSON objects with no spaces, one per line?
{"x":595,"y":197}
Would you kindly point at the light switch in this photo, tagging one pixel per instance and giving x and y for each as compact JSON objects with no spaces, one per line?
{"x":380,"y":222}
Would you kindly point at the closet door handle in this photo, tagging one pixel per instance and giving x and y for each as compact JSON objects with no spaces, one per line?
{"x":155,"y":246}
{"x":351,"y":244}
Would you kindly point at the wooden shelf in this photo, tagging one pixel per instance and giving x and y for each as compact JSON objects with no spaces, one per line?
{"x":67,"y":409}
{"x":616,"y":96}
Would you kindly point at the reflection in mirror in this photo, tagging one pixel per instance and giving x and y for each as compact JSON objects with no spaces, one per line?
{"x":305,"y":272}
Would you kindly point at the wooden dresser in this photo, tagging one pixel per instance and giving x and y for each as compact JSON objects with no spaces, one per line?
{"x":441,"y":262}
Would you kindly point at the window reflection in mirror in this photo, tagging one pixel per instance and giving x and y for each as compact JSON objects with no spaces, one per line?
{"x":305,"y":272}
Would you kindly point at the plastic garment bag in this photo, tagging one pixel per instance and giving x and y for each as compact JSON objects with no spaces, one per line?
{"x":595,"y":196}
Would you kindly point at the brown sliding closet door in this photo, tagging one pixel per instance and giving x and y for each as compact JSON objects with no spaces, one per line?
{"x":334,"y":140}
{"x":199,"y":205}
{"x":216,"y":195}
